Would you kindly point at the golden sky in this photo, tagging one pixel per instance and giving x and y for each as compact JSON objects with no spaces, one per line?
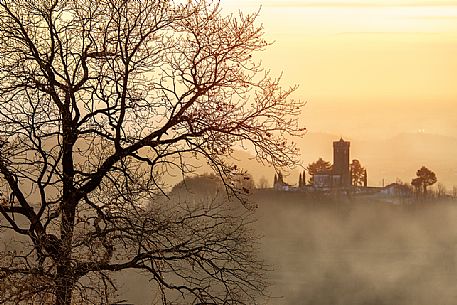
{"x":366,"y":68}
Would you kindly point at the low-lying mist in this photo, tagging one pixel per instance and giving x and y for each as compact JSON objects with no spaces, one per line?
{"x":342,"y":253}
{"x":339,"y":252}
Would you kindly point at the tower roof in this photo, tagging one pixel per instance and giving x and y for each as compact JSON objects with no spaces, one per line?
{"x":341,"y":142}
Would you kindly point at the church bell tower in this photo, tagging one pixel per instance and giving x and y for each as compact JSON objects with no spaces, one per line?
{"x":341,"y":161}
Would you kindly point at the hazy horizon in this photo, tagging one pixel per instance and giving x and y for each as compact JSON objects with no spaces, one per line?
{"x":395,"y":158}
{"x":368,"y":69}
{"x":371,"y":72}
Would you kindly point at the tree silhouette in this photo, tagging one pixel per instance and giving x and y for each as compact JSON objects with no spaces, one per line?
{"x":99,"y":102}
{"x":425,"y":178}
{"x":280,"y":179}
{"x":441,"y":191}
{"x":357,"y":173}
{"x":316,"y":167}
{"x":417,"y":183}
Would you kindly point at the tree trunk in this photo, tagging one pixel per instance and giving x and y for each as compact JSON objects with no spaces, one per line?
{"x":64,"y":283}
{"x":65,"y":276}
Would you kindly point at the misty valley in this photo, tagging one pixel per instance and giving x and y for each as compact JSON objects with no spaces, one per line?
{"x":326,"y":251}
{"x":351,"y":253}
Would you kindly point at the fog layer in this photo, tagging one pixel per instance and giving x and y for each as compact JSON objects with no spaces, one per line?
{"x":325,"y":253}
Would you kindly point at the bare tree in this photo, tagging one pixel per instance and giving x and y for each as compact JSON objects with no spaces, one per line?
{"x":441,"y":190}
{"x":99,"y":101}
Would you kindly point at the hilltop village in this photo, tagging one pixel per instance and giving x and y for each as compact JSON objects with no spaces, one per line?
{"x":325,"y":175}
{"x":350,"y":178}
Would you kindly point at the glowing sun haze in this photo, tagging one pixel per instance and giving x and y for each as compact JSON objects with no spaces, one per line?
{"x":366,"y":68}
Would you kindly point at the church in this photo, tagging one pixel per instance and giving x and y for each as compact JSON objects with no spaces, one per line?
{"x":340,"y":175}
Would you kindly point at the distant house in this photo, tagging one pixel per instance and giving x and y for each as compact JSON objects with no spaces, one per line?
{"x":327,"y":179}
{"x":396,"y":189}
